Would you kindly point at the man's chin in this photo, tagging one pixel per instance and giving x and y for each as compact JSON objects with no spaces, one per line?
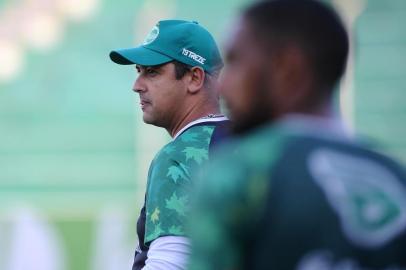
{"x":152,"y":121}
{"x":147,"y":119}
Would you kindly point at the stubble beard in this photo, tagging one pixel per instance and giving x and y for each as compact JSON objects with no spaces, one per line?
{"x":157,"y":120}
{"x":259,"y":113}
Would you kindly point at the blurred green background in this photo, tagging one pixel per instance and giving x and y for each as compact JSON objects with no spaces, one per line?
{"x":74,"y":152}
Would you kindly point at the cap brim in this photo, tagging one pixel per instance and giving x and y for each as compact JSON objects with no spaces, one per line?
{"x":139,"y":56}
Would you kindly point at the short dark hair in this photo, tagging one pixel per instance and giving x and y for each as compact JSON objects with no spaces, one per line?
{"x":312,"y":25}
{"x":181,"y":69}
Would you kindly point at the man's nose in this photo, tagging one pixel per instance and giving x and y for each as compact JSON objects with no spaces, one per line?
{"x":138,"y":85}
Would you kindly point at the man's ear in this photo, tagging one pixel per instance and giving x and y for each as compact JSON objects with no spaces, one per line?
{"x":196,"y":79}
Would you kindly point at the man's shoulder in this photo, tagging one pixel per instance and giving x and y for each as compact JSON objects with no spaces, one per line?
{"x":190,"y":148}
{"x":195,"y":134}
{"x":197,"y":139}
{"x":203,"y":130}
{"x":244,"y":158}
{"x":274,"y":146}
{"x":256,"y":148}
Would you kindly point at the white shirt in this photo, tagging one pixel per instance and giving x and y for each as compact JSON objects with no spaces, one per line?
{"x":168,"y":253}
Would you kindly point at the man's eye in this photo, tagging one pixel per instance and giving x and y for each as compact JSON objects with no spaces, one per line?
{"x":151,"y":71}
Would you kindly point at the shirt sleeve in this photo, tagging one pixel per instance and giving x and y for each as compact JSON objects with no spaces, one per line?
{"x":168,"y":253}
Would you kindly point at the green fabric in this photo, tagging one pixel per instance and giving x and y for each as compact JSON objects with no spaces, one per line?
{"x":169,"y":182}
{"x":231,"y":191}
{"x":268,"y":200}
{"x":184,"y":41}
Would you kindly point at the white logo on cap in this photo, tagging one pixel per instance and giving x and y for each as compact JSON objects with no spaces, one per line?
{"x":151,"y":36}
{"x":193,"y":56}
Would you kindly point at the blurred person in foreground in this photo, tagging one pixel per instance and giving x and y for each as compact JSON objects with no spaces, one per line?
{"x":178,"y":65}
{"x":295,"y":190}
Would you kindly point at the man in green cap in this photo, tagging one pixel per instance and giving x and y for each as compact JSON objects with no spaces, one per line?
{"x":296,"y":190}
{"x":178,"y":65}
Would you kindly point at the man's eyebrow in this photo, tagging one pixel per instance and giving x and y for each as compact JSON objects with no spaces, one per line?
{"x":140,"y":67}
{"x":156,"y":67}
{"x":145,"y":67}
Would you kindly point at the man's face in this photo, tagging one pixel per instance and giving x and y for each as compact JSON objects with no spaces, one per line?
{"x":243,"y":82}
{"x":160,"y":93}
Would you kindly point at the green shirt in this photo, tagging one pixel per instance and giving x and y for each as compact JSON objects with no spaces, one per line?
{"x":286,"y":198}
{"x":169,"y":183}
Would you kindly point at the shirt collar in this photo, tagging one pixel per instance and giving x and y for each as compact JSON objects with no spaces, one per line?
{"x":199,"y":121}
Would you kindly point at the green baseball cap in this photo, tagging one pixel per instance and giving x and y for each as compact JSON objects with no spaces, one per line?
{"x":184,"y":41}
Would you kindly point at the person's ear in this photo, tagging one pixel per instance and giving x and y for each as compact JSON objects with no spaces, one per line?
{"x":196,"y":79}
